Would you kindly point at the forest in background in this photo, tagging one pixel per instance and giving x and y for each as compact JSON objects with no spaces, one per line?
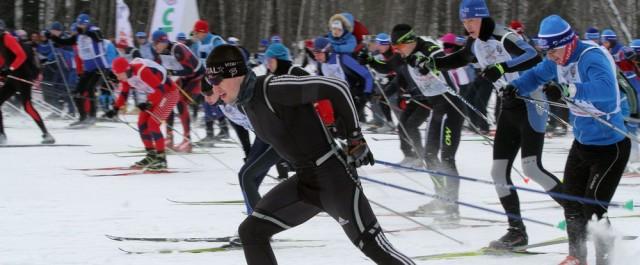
{"x":252,"y":20}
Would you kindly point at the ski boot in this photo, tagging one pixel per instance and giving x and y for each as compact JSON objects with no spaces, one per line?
{"x":184,"y":147}
{"x":3,"y":138}
{"x":146,"y":161}
{"x":386,"y":129}
{"x":223,"y":133}
{"x":407,"y":160}
{"x":48,"y":139}
{"x":430,"y":208}
{"x":208,"y":141}
{"x":78,"y":123}
{"x":159,"y":163}
{"x":516,"y":236}
{"x":451,"y":216}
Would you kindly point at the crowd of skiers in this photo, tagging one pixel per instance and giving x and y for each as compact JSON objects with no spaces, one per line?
{"x":395,"y":82}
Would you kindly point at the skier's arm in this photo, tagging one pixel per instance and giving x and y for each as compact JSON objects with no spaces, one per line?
{"x":533,"y":78}
{"x":344,"y":45}
{"x":12,"y":44}
{"x":602,"y":83}
{"x":69,"y":41}
{"x":187,"y":59}
{"x":124,"y":94}
{"x":457,"y":59}
{"x":293,"y":91}
{"x":360,"y":70}
{"x":527,"y":55}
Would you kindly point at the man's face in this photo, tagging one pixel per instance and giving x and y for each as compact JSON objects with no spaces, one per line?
{"x":272,"y":64}
{"x":35,"y":37}
{"x":228,"y":89}
{"x":472,"y":25}
{"x":320,"y":57}
{"x":556,"y":55}
{"x":122,"y":76}
{"x":160,"y":46}
{"x":405,"y":49}
{"x":382,"y":48}
{"x":141,"y":40}
{"x":607,"y":44}
{"x":200,"y":35}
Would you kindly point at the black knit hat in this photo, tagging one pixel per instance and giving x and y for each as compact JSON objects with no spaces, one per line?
{"x":225,"y":61}
{"x":402,"y":33}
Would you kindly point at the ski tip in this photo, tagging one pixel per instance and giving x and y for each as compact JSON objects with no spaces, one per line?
{"x":113,"y":237}
{"x":526,"y":180}
{"x":629,"y":205}
{"x":562,"y":225}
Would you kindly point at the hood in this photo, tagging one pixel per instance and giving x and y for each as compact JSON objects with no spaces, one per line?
{"x":346,"y":22}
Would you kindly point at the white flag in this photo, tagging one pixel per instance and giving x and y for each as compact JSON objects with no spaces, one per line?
{"x":174,"y":16}
{"x":123,"y":27}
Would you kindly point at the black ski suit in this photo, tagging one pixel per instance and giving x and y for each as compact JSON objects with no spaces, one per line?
{"x":282,"y":114}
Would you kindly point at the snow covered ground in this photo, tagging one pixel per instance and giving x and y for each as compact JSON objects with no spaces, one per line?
{"x":50,"y":214}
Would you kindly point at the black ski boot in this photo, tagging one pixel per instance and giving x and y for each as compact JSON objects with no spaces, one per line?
{"x":48,"y":139}
{"x":146,"y":161}
{"x":516,"y":236}
{"x":159,"y":163}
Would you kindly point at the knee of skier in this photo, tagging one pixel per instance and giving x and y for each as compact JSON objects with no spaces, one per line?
{"x":499,"y":174}
{"x":254,"y":230}
{"x":532,"y":168}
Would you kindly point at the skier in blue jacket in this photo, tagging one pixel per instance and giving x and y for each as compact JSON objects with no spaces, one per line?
{"x":599,"y":154}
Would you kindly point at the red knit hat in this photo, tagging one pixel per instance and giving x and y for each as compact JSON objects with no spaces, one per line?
{"x":201,"y":26}
{"x":517,"y":26}
{"x":120,"y":65}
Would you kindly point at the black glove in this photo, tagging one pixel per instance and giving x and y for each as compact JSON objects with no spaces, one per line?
{"x":47,"y":34}
{"x":358,"y":153}
{"x":494,"y":72}
{"x":144,"y":106}
{"x":555,"y":92}
{"x":111,"y":113}
{"x":364,"y":57}
{"x":423,"y":63}
{"x":508,"y":92}
{"x":5,"y":71}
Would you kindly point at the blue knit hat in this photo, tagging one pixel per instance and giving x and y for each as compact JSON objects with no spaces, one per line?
{"x":277,"y":51}
{"x":635,"y":45}
{"x":321,"y":44}
{"x":83,"y":19}
{"x":159,"y":36}
{"x":592,"y":33}
{"x":56,"y":26}
{"x":473,"y":9}
{"x":141,"y":34}
{"x":383,"y":39}
{"x":555,"y":32}
{"x":181,"y":36}
{"x":608,"y":35}
{"x":264,"y":43}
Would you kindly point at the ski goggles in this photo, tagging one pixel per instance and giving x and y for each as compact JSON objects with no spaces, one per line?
{"x":408,"y":37}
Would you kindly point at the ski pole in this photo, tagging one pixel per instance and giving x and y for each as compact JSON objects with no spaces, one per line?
{"x":559,"y":225}
{"x":64,"y":78}
{"x":536,"y":101}
{"x":626,"y":205}
{"x":27,"y":81}
{"x":415,"y":221}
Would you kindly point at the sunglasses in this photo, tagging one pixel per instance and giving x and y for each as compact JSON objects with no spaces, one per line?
{"x":213,"y":79}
